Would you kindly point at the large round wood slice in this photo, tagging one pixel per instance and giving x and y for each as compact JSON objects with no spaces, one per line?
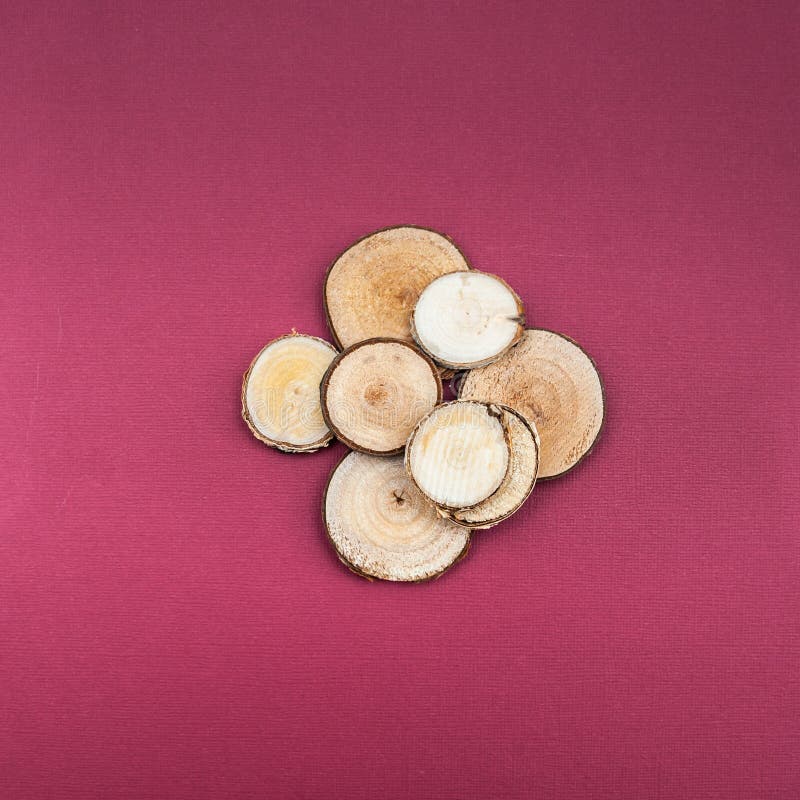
{"x":372,"y":287}
{"x":555,"y":384}
{"x":468,"y":319}
{"x":458,"y":455}
{"x":523,"y":442}
{"x":382,"y":527}
{"x":376,"y":391}
{"x":280,"y":393}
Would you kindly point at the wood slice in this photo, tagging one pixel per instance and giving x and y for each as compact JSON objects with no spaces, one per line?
{"x":555,"y":385}
{"x":376,"y":391}
{"x":382,"y":527}
{"x":280,"y":393}
{"x":458,"y":455}
{"x":372,"y":287}
{"x":520,"y":479}
{"x":465,"y":320}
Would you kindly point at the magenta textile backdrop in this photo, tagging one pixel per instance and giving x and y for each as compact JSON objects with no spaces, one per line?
{"x":174,"y":180}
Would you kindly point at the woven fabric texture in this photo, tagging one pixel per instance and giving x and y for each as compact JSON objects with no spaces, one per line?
{"x":174,"y":180}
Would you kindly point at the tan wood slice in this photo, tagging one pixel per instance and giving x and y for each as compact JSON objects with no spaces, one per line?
{"x":280,"y":393}
{"x":465,"y":320}
{"x":376,"y":391}
{"x":372,"y":287}
{"x":555,"y":384}
{"x":520,"y":479}
{"x":458,"y":455}
{"x":382,"y":527}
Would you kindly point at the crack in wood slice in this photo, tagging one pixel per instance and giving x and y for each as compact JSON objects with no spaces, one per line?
{"x":280,"y":393}
{"x":458,"y":455}
{"x":550,"y":380}
{"x":466,"y":320}
{"x":376,"y":391}
{"x":372,"y":287}
{"x":519,"y":481}
{"x":382,"y":527}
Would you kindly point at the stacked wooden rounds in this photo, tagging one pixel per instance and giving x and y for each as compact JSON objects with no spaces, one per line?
{"x":523,"y":467}
{"x":477,"y":462}
{"x":458,"y":455}
{"x":406,"y":308}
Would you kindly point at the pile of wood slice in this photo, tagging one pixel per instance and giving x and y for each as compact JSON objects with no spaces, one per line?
{"x":406,"y":310}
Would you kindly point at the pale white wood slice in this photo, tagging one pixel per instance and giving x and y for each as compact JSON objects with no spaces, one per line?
{"x":458,"y":455}
{"x":464,"y":320}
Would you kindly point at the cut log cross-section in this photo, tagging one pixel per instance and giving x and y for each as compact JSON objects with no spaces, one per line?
{"x":375,"y":392}
{"x":523,"y":442}
{"x":555,"y":385}
{"x":465,"y":320}
{"x":458,"y":455}
{"x":382,"y":527}
{"x":280,"y":393}
{"x":371,"y":288}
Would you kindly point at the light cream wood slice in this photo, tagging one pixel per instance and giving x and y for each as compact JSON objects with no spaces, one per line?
{"x":520,"y":479}
{"x":280,"y":393}
{"x":458,"y":455}
{"x":555,"y":384}
{"x":376,"y":391}
{"x":467,"y":319}
{"x":372,"y":287}
{"x":382,"y":527}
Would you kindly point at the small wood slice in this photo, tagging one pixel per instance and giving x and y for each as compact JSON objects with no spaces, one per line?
{"x":458,"y":455}
{"x":280,"y":393}
{"x":519,"y":481}
{"x":555,"y":385}
{"x":468,"y":319}
{"x":372,"y":287}
{"x":376,"y":391}
{"x":382,"y":527}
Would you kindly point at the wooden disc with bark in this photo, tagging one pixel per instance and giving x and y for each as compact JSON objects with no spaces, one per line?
{"x":555,"y":385}
{"x":376,"y":391}
{"x":280,"y":393}
{"x":372,"y":287}
{"x":523,"y":442}
{"x":382,"y":527}
{"x":465,"y":320}
{"x":458,"y":455}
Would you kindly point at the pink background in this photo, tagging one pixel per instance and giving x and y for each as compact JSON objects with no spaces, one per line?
{"x":174,"y":180}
